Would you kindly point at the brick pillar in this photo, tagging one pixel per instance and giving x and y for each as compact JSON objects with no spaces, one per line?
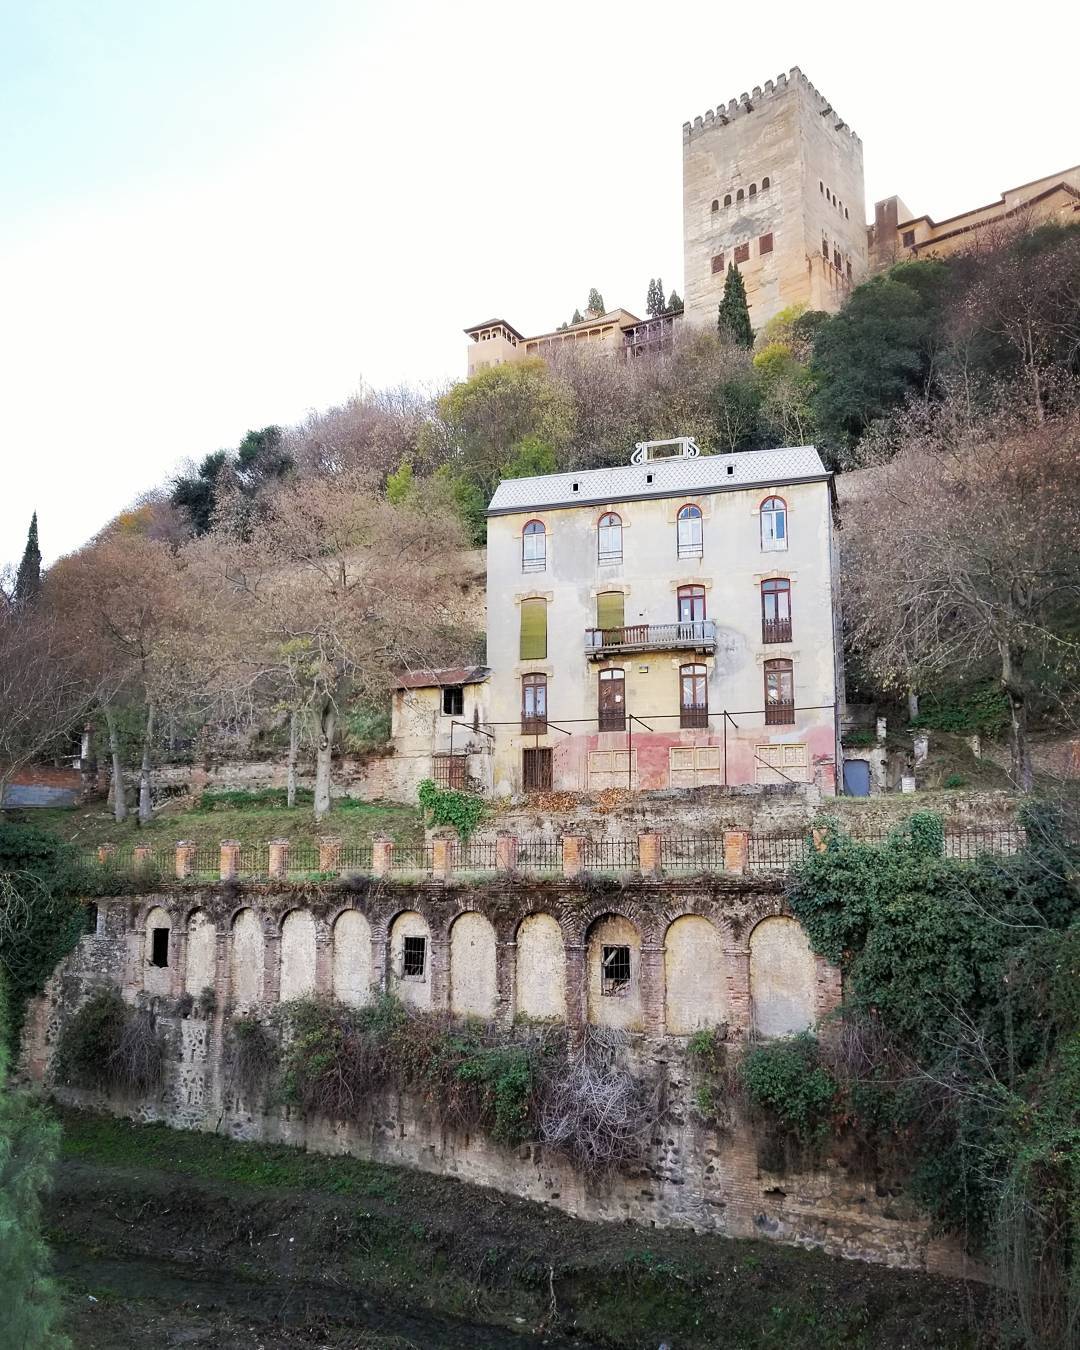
{"x":577,"y":1003}
{"x":829,"y":993}
{"x":738,"y":981}
{"x":185,"y":858}
{"x":653,"y":994}
{"x":106,"y":853}
{"x":736,"y":851}
{"x":573,"y":854}
{"x":144,"y":856}
{"x":272,"y":966}
{"x":505,"y":981}
{"x":380,"y":962}
{"x":439,"y":968}
{"x":324,"y":957}
{"x":229,"y":863}
{"x":820,"y":835}
{"x":329,"y":853}
{"x":506,"y":851}
{"x":650,"y":854}
{"x":442,"y":857}
{"x":382,"y":856}
{"x":279,"y":858}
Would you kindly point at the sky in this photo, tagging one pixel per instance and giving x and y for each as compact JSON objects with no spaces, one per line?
{"x":226,"y":213}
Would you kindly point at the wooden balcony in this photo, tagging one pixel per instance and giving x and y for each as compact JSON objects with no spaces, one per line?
{"x":776,"y":630}
{"x":780,"y":713}
{"x":697,"y":636}
{"x":694,"y":716}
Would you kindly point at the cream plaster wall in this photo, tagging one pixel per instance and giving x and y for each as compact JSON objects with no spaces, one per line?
{"x":201,"y":954}
{"x":352,"y":958}
{"x":622,"y":1010}
{"x":694,"y":976}
{"x":473,"y":991}
{"x":731,"y":570}
{"x":541,"y":968}
{"x":782,"y":978}
{"x":246,"y":959}
{"x":157,"y":979}
{"x":297,"y":955}
{"x":410,"y":989}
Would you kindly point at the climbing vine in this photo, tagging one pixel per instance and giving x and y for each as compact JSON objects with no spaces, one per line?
{"x":463,"y":811}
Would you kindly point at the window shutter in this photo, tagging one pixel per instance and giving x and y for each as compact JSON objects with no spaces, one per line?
{"x":533,"y":630}
{"x":742,"y":253}
{"x":610,"y":609}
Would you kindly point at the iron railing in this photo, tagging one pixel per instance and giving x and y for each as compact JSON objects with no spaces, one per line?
{"x":693,"y":716}
{"x":780,"y":712}
{"x":776,"y":630}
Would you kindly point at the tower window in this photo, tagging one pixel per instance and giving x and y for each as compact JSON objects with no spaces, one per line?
{"x":727,"y":199}
{"x":718,"y":262}
{"x":765,"y":243}
{"x":753,"y":189}
{"x":909,"y":238}
{"x":765,"y":183}
{"x":742,"y":253}
{"x":740,"y":195}
{"x":716,"y":204}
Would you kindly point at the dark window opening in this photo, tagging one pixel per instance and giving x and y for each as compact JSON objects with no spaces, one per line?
{"x":765,"y":243}
{"x":742,"y":253}
{"x":849,"y":269}
{"x":764,"y":184}
{"x":753,"y":189}
{"x":716,"y":204}
{"x":739,"y":195}
{"x":413,"y":958}
{"x":616,"y":970}
{"x":824,"y":248}
{"x":91,"y":919}
{"x":536,"y":769}
{"x":159,"y":947}
{"x":909,"y":238}
{"x":727,"y":199}
{"x":453,"y":700}
{"x":836,"y":259}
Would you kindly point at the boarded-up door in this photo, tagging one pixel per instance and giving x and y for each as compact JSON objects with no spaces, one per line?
{"x":694,"y":765}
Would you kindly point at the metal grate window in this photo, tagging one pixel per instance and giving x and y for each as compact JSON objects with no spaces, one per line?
{"x":414,"y":957}
{"x":616,"y":970}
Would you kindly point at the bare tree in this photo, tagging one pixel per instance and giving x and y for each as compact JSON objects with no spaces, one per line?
{"x":967,"y":550}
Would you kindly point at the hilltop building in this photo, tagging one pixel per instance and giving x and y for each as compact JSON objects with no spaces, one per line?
{"x":619,"y":332}
{"x":670,"y":623}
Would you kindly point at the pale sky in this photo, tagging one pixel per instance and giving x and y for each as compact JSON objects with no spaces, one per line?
{"x":220,"y":214}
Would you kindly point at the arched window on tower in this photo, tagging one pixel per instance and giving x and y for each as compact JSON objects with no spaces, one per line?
{"x":688,"y":530}
{"x":716,"y":204}
{"x":609,"y":538}
{"x":727,"y":199}
{"x":753,"y":189}
{"x":765,"y":183}
{"x":740,"y":195}
{"x":534,"y":547}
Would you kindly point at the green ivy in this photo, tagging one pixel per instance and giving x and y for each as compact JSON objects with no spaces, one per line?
{"x":446,"y":807}
{"x":965,"y":710}
{"x":786,"y":1080}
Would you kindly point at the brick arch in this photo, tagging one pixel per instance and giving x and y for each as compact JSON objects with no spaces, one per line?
{"x":579,"y":923}
{"x":153,"y":902}
{"x":699,"y":906}
{"x":208,"y":910}
{"x":760,"y":908}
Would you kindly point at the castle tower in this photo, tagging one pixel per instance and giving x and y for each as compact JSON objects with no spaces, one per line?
{"x":773,"y":182}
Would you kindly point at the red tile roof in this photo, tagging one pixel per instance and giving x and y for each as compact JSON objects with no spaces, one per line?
{"x":437,"y":679}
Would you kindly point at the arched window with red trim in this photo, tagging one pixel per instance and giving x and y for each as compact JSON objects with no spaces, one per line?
{"x":688,"y":531}
{"x":774,"y":531}
{"x":534,"y":547}
{"x":609,"y":538}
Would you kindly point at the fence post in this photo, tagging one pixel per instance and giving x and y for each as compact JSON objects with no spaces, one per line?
{"x":105,"y":853}
{"x":650,"y":854}
{"x":278,"y":864}
{"x":573,"y":854}
{"x":142,"y":857}
{"x":442,"y":856}
{"x":185,"y":858}
{"x":229,"y":859}
{"x":329,"y":853}
{"x":736,"y":851}
{"x":506,"y":851}
{"x":382,"y":856}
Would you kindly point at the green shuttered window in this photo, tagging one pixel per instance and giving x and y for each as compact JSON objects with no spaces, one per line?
{"x":533,"y":630}
{"x":610,"y":609}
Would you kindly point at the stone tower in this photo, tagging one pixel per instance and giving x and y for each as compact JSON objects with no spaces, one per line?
{"x":773,"y":182}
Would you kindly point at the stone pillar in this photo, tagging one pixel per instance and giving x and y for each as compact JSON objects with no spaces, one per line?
{"x":106,"y":853}
{"x":279,"y":858}
{"x":272,"y":966}
{"x":324,"y":957}
{"x":382,"y":856}
{"x":442,"y":857}
{"x":736,"y":851}
{"x":143,"y":857}
{"x":653,"y":994}
{"x":229,"y":863}
{"x":185,"y":858}
{"x":506,"y":851}
{"x":573,"y":854}
{"x":650,"y":854}
{"x":922,"y":748}
{"x":577,"y":1006}
{"x":329,"y":853}
{"x":882,"y":729}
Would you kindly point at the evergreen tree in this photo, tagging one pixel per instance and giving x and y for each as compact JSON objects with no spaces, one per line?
{"x":28,"y":577}
{"x":654,"y":301}
{"x":733,"y":319}
{"x":578,"y":317}
{"x":595,"y":302}
{"x":675,"y":303}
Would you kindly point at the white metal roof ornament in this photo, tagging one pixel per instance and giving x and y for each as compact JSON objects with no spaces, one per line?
{"x":645,"y":451}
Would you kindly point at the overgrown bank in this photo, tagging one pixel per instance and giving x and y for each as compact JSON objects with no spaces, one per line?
{"x":382,"y":1243}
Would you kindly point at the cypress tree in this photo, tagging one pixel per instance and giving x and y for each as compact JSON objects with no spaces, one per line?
{"x":595,"y":301}
{"x":28,"y":577}
{"x":733,"y":319}
{"x":675,"y":303}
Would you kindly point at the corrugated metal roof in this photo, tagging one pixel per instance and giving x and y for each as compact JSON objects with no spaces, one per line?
{"x":444,"y":675}
{"x":659,"y":478}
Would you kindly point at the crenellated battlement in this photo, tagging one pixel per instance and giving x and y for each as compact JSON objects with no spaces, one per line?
{"x":746,"y":104}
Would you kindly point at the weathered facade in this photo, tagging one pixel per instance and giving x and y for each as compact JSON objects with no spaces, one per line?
{"x":724,"y":952}
{"x":666,"y":624}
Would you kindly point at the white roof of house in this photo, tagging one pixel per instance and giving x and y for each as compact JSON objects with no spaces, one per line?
{"x":660,"y":478}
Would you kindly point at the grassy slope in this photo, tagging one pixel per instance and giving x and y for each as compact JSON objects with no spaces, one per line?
{"x":316,"y":1223}
{"x":358,"y":824}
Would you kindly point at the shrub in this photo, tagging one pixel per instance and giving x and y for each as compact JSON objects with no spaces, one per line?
{"x":786,"y":1081}
{"x":248,"y":799}
{"x":445,"y":806}
{"x":955,"y":780}
{"x":252,"y":1053}
{"x":707,"y":1053}
{"x":110,"y":1045}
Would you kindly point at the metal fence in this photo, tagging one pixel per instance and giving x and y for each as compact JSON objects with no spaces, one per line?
{"x":611,"y":855}
{"x":700,"y":853}
{"x":538,"y":857}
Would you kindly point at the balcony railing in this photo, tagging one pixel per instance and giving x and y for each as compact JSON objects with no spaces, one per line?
{"x":780,"y":712}
{"x":532,"y":725}
{"x":776,"y":630}
{"x":693,"y":715}
{"x":611,"y":719}
{"x":700,"y":635}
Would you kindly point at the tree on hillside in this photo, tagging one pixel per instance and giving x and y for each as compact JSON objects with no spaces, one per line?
{"x":261,"y":461}
{"x":577,"y":317}
{"x":336,"y":591}
{"x":967,"y":550}
{"x":654,"y":299}
{"x":28,"y":577}
{"x":675,"y":303}
{"x":733,"y":317}
{"x":595,"y":302}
